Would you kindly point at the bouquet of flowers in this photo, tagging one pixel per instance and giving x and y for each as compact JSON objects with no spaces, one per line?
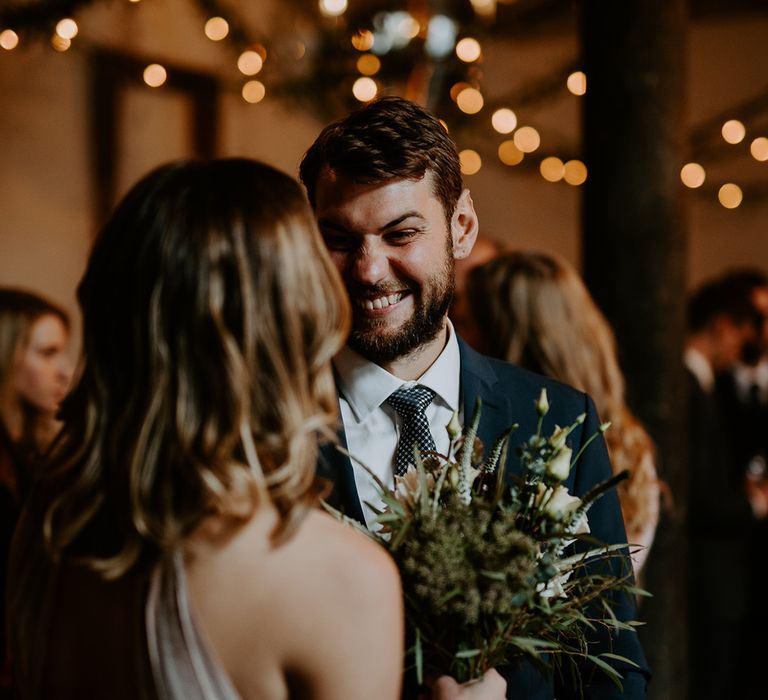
{"x":487,"y":563}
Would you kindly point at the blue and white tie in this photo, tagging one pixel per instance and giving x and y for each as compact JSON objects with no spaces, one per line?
{"x":410,"y":403}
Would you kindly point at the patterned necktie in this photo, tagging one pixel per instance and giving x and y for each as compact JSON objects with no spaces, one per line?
{"x":411,"y":403}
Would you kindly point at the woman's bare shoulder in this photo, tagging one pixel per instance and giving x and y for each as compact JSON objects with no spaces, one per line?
{"x":325,"y":607}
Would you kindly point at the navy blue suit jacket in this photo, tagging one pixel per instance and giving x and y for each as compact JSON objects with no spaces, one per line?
{"x":508,"y":394}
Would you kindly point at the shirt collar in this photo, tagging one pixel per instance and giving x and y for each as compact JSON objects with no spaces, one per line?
{"x":701,"y":368}
{"x":366,"y":386}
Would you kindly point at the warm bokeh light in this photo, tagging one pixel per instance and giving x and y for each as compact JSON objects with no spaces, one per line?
{"x":468,"y":49}
{"x":510,"y":154}
{"x":254,"y":91}
{"x":577,"y":83}
{"x":759,"y":148}
{"x":527,"y":139}
{"x":575,"y":172}
{"x":365,"y":89}
{"x":9,"y":39}
{"x":470,"y":100}
{"x":250,"y":62}
{"x":363,"y":40}
{"x":504,"y":120}
{"x":470,"y":161}
{"x":368,"y":64}
{"x":456,"y":88}
{"x":155,"y":75}
{"x":216,"y":28}
{"x":67,"y":28}
{"x":730,"y":195}
{"x":60,"y":43}
{"x":484,"y":8}
{"x":333,"y":8}
{"x":552,"y":169}
{"x":692,"y":175}
{"x":734,"y":131}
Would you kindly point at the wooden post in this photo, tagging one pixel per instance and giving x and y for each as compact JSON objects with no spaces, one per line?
{"x":634,"y":255}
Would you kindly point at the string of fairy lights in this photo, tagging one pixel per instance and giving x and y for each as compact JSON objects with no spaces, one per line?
{"x":344,"y":54}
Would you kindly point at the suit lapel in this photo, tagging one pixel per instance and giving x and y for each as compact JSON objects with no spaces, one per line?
{"x":337,"y":468}
{"x":479,"y":379}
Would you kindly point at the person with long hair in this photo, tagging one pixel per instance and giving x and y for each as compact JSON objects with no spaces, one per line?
{"x":172,"y":548}
{"x":533,"y":310}
{"x":34,"y":376}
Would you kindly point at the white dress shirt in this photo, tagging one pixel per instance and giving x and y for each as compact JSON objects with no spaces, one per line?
{"x":372,"y":426}
{"x":700,"y":367}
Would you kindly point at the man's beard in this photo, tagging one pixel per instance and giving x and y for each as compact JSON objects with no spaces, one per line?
{"x":428,"y":319}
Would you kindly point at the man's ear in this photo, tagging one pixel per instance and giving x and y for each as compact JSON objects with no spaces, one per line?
{"x":464,"y":226}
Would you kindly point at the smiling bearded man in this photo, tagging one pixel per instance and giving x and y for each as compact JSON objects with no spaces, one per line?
{"x":386,"y":187}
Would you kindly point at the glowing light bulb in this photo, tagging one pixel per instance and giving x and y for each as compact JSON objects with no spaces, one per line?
{"x":504,"y":120}
{"x":9,"y":39}
{"x":216,"y":28}
{"x":254,"y":91}
{"x":510,"y":154}
{"x":470,"y":100}
{"x":730,"y":195}
{"x":368,"y":64}
{"x":527,"y":139}
{"x":67,"y":28}
{"x":363,"y":40}
{"x":60,"y":43}
{"x":468,"y":50}
{"x":759,"y":148}
{"x":734,"y":131}
{"x":577,"y":83}
{"x":692,"y":175}
{"x":155,"y":75}
{"x":333,"y":8}
{"x":250,"y":62}
{"x":575,"y":172}
{"x":365,"y":89}
{"x":552,"y":169}
{"x":470,"y":161}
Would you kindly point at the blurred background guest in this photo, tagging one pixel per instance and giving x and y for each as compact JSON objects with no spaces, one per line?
{"x":484,"y":250}
{"x":742,"y":395}
{"x":35,"y":373}
{"x":742,"y":388}
{"x":723,"y":504}
{"x":532,"y":309}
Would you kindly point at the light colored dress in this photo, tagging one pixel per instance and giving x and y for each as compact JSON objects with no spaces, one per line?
{"x":183,"y":667}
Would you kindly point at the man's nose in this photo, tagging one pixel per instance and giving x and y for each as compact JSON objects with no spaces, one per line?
{"x":370,"y":265}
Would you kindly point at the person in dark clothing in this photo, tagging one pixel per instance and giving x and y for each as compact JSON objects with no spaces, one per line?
{"x":723,"y":506}
{"x":34,"y":376}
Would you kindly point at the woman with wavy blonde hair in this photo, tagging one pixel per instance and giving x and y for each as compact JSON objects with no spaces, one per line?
{"x":172,"y":549}
{"x":535,"y":311}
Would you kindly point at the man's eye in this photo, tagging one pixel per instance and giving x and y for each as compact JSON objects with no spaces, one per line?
{"x":337,"y":241}
{"x":401,"y":236}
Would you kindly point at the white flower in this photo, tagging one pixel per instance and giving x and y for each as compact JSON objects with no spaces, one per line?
{"x":560,"y":465}
{"x":558,"y":503}
{"x":554,"y":587}
{"x":542,"y":403}
{"x":408,"y":487}
{"x":557,"y":439}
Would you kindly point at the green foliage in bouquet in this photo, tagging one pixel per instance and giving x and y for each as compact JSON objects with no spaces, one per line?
{"x":487,"y":563}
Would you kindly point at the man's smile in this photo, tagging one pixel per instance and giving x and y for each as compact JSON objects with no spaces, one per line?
{"x":382,"y":301}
